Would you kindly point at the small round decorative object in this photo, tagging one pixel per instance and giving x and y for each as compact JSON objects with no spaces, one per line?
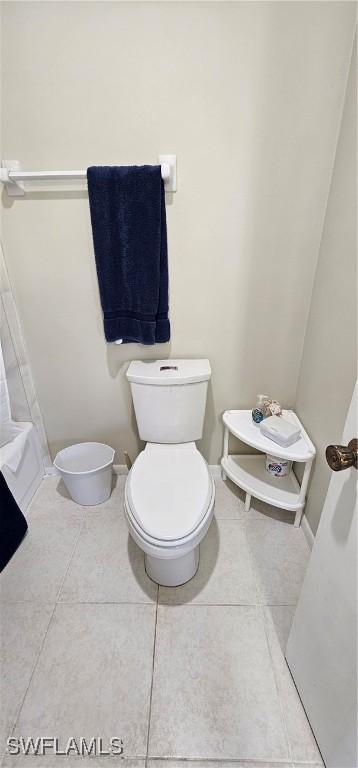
{"x":257,"y":415}
{"x":275,"y":408}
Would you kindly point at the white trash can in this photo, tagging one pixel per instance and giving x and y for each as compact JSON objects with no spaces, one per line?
{"x":86,"y":470}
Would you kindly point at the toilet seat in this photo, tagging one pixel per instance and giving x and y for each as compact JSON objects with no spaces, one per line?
{"x":169,"y":491}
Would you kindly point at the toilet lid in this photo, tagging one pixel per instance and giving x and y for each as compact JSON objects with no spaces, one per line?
{"x":169,"y":490}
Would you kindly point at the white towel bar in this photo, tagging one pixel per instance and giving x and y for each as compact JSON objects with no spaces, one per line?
{"x":11,"y":175}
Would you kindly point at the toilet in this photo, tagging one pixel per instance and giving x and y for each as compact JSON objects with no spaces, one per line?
{"x":169,"y":492}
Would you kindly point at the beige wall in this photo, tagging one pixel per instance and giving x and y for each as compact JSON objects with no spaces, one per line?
{"x":329,"y":362}
{"x":249,"y":96}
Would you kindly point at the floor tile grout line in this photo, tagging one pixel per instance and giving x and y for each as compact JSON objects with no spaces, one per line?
{"x":227,"y":519}
{"x":106,"y":602}
{"x":152,"y":680}
{"x":187,"y":604}
{"x":277,"y":686}
{"x":234,"y":761}
{"x":245,"y":762}
{"x":70,"y":559}
{"x":36,"y":661}
{"x":226,"y":605}
{"x":258,"y":590}
{"x":237,"y":761}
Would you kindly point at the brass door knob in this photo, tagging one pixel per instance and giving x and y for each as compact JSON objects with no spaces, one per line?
{"x":343,"y":456}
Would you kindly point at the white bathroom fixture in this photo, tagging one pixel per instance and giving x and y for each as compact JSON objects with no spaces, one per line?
{"x":169,"y":493}
{"x":13,"y":177}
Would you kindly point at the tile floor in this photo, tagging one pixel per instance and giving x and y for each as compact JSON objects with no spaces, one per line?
{"x":91,"y":647}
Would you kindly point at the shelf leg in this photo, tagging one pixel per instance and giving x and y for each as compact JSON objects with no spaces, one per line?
{"x":302,"y":494}
{"x":247,"y":502}
{"x":298,"y":518}
{"x":225,"y":450}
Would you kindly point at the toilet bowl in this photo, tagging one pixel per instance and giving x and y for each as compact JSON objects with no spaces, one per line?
{"x":169,"y":493}
{"x":169,"y":505}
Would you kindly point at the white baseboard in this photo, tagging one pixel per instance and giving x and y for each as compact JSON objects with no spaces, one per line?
{"x":51,"y":470}
{"x":215,"y":470}
{"x":307,"y":530}
{"x":120,"y":469}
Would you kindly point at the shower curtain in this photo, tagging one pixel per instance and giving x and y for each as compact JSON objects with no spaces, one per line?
{"x":20,"y":402}
{"x":12,"y":435}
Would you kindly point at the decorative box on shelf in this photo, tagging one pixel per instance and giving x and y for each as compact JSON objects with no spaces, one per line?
{"x":249,"y":471}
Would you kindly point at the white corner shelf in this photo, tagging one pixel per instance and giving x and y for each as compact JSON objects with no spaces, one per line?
{"x":241,"y":425}
{"x":249,"y":471}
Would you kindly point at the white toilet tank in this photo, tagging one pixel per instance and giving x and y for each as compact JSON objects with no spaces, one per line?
{"x":169,"y":399}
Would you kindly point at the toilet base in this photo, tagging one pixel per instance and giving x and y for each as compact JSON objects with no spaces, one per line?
{"x":174,"y":571}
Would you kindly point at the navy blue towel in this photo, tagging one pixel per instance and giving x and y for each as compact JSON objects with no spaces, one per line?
{"x":127,"y":207}
{"x":13,"y":525}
